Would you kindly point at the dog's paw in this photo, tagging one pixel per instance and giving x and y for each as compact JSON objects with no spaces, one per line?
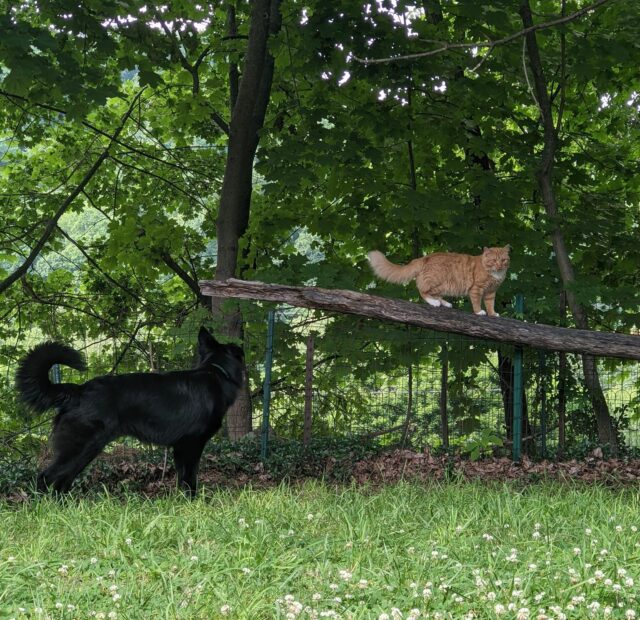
{"x":481,"y":313}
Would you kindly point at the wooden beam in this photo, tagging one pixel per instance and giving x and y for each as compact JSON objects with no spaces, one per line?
{"x":441,"y":319}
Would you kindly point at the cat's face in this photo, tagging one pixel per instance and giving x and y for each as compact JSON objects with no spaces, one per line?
{"x":496,"y":259}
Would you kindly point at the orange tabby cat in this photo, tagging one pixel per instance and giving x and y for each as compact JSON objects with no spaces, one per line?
{"x":445,"y":274}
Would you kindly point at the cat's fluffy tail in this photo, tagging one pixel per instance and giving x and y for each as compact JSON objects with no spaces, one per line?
{"x":398,"y":274}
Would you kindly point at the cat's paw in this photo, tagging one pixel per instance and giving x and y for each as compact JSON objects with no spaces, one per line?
{"x":481,"y":313}
{"x":446,"y":304}
{"x":495,"y":314}
{"x":432,"y":302}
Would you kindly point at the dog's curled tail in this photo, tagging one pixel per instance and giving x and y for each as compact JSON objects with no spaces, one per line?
{"x":32,"y":376}
{"x":398,"y":274}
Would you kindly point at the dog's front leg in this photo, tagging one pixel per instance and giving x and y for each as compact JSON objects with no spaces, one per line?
{"x":186,"y":456}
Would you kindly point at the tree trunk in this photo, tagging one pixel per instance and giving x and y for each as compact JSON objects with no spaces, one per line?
{"x":606,"y":434}
{"x":249,"y":107}
{"x":562,"y":383}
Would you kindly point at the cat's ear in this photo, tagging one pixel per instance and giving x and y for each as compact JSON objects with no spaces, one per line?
{"x":507,"y":248}
{"x":485,"y":249}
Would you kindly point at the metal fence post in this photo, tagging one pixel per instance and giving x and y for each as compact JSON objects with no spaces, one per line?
{"x":266,"y":394}
{"x":543,"y":402}
{"x":308,"y":393}
{"x":517,"y":389}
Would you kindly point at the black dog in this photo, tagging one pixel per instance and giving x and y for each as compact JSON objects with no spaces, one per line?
{"x":180,"y":409}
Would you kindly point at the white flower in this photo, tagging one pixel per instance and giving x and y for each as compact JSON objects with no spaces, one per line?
{"x":499,"y":609}
{"x":127,"y":541}
{"x":618,"y":528}
{"x":384,"y":617}
{"x":577,"y":550}
{"x":246,"y":571}
{"x":116,"y":597}
{"x":628,"y":582}
{"x":523,"y":613}
{"x":316,"y":597}
{"x":225,"y":609}
{"x":629,"y":614}
{"x":93,"y":560}
{"x":536,"y":534}
{"x":112,"y":615}
{"x":588,"y":531}
{"x":622,"y":572}
{"x":345,"y":574}
{"x":310,"y":517}
{"x":362,"y":584}
{"x":194,"y":558}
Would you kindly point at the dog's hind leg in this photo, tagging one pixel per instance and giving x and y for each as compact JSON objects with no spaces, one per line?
{"x":186,"y":456}
{"x":75,"y":446}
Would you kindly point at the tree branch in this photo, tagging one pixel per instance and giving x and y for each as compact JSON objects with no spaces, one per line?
{"x":438,"y":319}
{"x":485,"y":44}
{"x":51,"y":225}
{"x":185,"y":277}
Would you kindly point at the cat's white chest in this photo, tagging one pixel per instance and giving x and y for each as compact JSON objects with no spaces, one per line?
{"x":499,"y":275}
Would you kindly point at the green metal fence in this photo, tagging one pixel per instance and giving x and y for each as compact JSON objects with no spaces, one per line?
{"x":314,"y":375}
{"x":406,"y":386}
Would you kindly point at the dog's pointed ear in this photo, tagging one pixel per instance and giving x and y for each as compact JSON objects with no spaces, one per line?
{"x":205,"y":338}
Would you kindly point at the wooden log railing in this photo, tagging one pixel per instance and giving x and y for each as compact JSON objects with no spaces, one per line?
{"x":501,"y":329}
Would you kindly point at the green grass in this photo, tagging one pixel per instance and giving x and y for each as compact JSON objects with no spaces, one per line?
{"x":317,"y":551}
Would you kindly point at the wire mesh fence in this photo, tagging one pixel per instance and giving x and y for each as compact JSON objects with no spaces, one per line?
{"x":337,"y":376}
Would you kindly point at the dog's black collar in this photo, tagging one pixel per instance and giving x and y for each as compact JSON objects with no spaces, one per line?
{"x":220,"y":368}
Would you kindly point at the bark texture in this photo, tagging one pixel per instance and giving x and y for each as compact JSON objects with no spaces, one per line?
{"x":501,"y":329}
